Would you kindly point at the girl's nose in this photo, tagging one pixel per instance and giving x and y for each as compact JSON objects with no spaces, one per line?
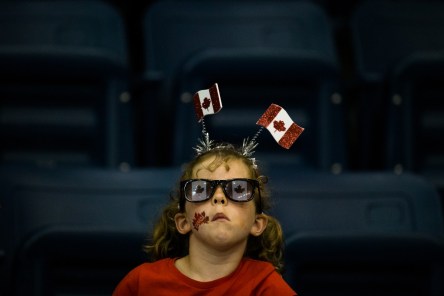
{"x":219,"y":197}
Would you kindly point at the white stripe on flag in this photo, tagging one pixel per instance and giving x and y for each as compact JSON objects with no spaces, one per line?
{"x":279,"y":125}
{"x":205,"y":94}
{"x":277,"y":121}
{"x":207,"y":102}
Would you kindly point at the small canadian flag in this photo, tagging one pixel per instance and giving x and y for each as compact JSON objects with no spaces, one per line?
{"x":280,"y":125}
{"x":207,"y":101}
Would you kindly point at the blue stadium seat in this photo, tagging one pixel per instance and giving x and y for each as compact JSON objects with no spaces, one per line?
{"x":360,"y":233}
{"x":386,"y":34}
{"x":64,"y":84}
{"x":416,"y":111}
{"x":76,"y":231}
{"x":259,"y":53}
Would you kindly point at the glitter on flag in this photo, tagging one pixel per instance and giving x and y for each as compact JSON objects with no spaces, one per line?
{"x":207,"y":102}
{"x":280,"y":125}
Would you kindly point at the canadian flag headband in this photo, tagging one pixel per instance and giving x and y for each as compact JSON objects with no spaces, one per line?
{"x":275,"y":119}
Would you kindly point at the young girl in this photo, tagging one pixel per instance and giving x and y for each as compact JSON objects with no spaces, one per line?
{"x":213,"y":238}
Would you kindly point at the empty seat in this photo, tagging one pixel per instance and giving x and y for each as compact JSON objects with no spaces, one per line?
{"x":259,"y":53}
{"x":76,"y":231}
{"x":64,"y":84}
{"x":386,"y":32}
{"x":361,"y":233}
{"x":385,"y":35}
{"x":416,"y":112}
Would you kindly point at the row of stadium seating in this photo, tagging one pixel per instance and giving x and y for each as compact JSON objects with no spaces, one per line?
{"x":79,"y":231}
{"x":91,"y":147}
{"x":69,"y":96}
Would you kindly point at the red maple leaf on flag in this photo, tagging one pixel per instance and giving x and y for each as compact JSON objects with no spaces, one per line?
{"x":279,"y":125}
{"x":206,"y":103}
{"x":200,"y":218}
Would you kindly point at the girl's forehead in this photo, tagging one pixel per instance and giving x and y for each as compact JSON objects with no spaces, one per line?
{"x":231,"y":168}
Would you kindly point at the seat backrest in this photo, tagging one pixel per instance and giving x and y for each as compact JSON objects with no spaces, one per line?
{"x":347,"y":265}
{"x":360,"y":233}
{"x":64,"y":82}
{"x":415,"y":129}
{"x":283,"y":54}
{"x":176,"y":30}
{"x":385,"y":34}
{"x":356,"y":203}
{"x":78,"y":231}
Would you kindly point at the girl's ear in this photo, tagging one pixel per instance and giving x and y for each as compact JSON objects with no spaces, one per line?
{"x":259,"y":225}
{"x":182,"y":224}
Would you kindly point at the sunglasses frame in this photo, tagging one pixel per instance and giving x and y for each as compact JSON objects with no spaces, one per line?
{"x":214,"y":184}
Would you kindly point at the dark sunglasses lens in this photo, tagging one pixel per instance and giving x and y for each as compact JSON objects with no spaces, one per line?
{"x":240,"y":190}
{"x":197,"y":190}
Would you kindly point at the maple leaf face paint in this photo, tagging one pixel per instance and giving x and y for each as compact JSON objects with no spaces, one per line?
{"x":199,"y":219}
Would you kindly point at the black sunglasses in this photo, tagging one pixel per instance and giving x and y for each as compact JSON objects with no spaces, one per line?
{"x":237,"y":190}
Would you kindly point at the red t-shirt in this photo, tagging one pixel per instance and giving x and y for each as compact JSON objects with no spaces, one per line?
{"x":251,"y":277}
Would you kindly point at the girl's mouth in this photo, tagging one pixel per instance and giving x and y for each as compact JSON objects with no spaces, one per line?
{"x":220,"y":216}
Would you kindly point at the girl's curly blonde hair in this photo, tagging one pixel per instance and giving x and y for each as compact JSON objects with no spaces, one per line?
{"x":167,"y":242}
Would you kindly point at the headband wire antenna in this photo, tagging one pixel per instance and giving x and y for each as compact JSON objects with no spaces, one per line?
{"x":204,"y":128}
{"x":248,"y":146}
{"x":204,"y":143}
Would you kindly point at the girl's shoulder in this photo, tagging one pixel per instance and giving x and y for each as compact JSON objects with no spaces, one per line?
{"x":254,"y":263}
{"x":155,"y":267}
